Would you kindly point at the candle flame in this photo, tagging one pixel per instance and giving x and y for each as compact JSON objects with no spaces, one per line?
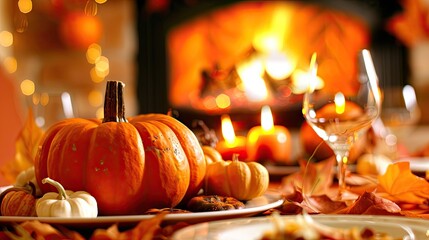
{"x":267,"y":121}
{"x":227,"y":129}
{"x":340,"y":103}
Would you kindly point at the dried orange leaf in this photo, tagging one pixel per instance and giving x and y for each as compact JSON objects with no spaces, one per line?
{"x":26,"y":146}
{"x":145,"y":230}
{"x":45,"y":231}
{"x":313,"y":178}
{"x":399,"y":184}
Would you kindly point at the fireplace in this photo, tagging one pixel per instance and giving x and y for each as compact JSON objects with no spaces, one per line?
{"x":196,"y":56}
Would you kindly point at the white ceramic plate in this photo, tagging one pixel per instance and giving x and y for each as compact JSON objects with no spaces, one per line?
{"x":271,"y":199}
{"x":254,"y":228}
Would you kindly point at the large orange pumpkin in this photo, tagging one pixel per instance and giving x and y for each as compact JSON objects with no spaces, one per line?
{"x":128,"y":165}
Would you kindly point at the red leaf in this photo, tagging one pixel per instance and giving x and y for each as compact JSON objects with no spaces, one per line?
{"x":371,"y":204}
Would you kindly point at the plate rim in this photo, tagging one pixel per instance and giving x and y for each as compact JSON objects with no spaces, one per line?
{"x":274,"y":197}
{"x":414,"y":224}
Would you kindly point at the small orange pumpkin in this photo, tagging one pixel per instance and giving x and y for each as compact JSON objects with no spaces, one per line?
{"x":128,"y":165}
{"x":19,"y":201}
{"x":241,"y":180}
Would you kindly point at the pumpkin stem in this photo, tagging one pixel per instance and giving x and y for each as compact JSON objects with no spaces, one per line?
{"x":61,"y":191}
{"x":114,"y":106}
{"x":235,"y":157}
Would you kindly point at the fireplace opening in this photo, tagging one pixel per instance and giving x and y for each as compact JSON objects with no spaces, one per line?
{"x":207,"y":58}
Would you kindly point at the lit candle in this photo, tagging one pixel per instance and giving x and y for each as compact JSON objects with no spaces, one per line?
{"x":231,"y":144}
{"x":269,"y":141}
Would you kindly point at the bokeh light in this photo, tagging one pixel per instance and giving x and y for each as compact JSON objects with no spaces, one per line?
{"x":25,"y":6}
{"x":10,"y":64}
{"x":102,"y":66}
{"x":223,"y":101}
{"x":99,"y":113}
{"x":6,"y":38}
{"x":27,"y":87}
{"x":95,"y":98}
{"x":93,"y":53}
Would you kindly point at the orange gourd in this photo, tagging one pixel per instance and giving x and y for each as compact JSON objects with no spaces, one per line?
{"x":211,"y":154}
{"x":128,"y":165}
{"x":241,"y":180}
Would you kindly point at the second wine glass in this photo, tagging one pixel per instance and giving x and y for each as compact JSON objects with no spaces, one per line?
{"x":339,"y":118}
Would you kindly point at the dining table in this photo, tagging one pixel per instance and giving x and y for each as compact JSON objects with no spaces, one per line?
{"x":305,"y":188}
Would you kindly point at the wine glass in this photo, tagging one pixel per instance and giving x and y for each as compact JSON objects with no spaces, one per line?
{"x":50,"y":107}
{"x":340,"y":118}
{"x":400,"y":113}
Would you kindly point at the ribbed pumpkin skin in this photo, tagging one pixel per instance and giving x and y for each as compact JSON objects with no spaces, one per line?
{"x":190,"y":144}
{"x":105,"y":159}
{"x":18,"y":203}
{"x":241,"y":180}
{"x":129,"y":166}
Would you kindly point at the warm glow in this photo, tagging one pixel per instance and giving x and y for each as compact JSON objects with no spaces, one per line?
{"x":10,"y":64}
{"x":223,"y":101}
{"x":95,"y":77}
{"x":27,"y":87}
{"x":209,"y":102}
{"x":227,"y":130}
{"x":267,"y":121}
{"x":99,"y":113}
{"x":44,"y":99}
{"x":302,"y":79}
{"x":251,"y":73}
{"x":93,"y":53}
{"x":100,"y":1}
{"x":95,"y":98}
{"x":340,"y":103}
{"x":25,"y":6}
{"x":267,"y":43}
{"x":272,"y":39}
{"x":102,"y":66}
{"x":313,"y":73}
{"x":278,"y":66}
{"x":6,"y":38}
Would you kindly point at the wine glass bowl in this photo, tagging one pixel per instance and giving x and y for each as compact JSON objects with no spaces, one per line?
{"x":340,"y":118}
{"x":400,"y":113}
{"x":51,"y":107}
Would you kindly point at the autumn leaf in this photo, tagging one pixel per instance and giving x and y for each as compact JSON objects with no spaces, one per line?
{"x":38,"y":230}
{"x":371,"y":204}
{"x":312,"y":179}
{"x":399,"y":184}
{"x":145,"y":230}
{"x":26,"y":146}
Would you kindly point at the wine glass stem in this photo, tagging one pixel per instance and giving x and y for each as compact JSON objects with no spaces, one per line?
{"x":342,"y":159}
